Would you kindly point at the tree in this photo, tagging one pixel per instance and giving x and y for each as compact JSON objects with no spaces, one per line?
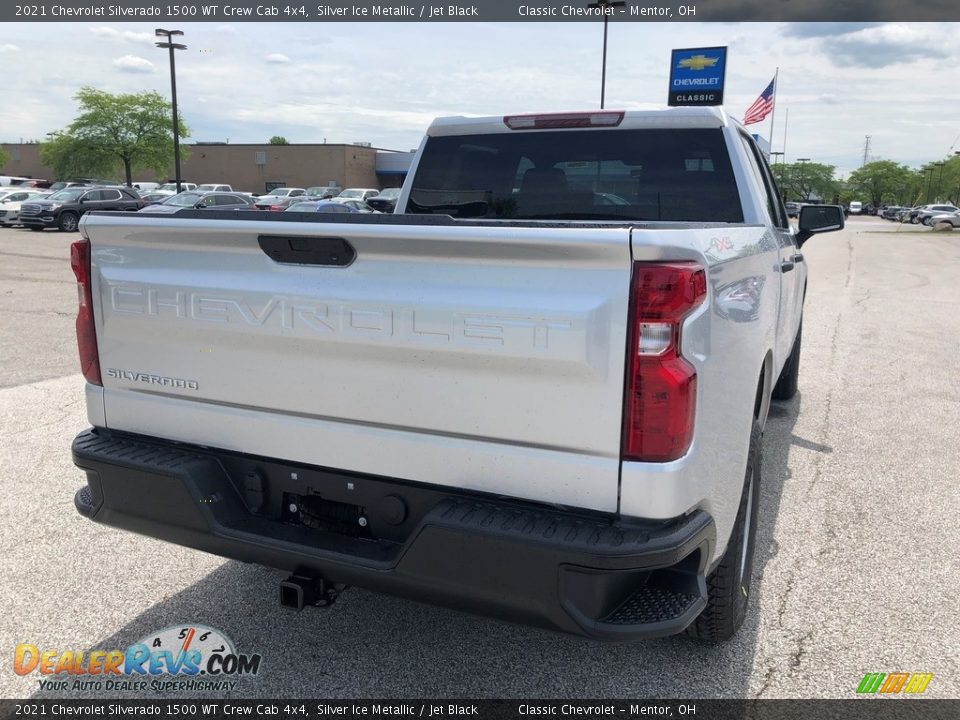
{"x":801,"y":181}
{"x":279,"y":140}
{"x":4,"y":157}
{"x":113,"y":132}
{"x":881,"y":181}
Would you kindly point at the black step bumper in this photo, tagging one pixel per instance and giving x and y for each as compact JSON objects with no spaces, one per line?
{"x":588,"y":574}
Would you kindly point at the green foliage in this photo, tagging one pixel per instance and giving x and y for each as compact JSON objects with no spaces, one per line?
{"x":279,"y":140}
{"x":882,"y":181}
{"x":4,"y":157}
{"x":801,"y":181}
{"x":71,"y":157}
{"x":939,"y":181}
{"x":112,"y":132}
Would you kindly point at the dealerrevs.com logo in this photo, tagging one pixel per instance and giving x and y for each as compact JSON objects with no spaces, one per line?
{"x":179,"y":658}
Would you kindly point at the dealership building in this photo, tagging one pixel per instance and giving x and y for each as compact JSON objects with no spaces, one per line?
{"x":256,"y":168}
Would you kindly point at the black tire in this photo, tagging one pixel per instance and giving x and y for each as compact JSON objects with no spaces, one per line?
{"x":36,"y":228}
{"x":786,"y":386}
{"x":728,"y":586}
{"x":913,"y":220}
{"x":68,"y":222}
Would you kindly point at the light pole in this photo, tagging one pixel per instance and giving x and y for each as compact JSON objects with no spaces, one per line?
{"x":803,"y":178}
{"x":603,"y":5}
{"x":939,"y":180}
{"x":929,"y":178}
{"x":777,"y":155}
{"x":171,"y":46}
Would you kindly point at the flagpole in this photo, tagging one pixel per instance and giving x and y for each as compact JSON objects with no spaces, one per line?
{"x":773,"y":110}
{"x":786,"y":122}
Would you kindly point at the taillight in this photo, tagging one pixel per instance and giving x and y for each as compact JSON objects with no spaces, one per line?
{"x":86,"y":334}
{"x":661,"y":387}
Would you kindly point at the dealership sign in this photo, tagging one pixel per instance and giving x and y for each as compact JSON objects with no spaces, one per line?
{"x":697,"y":75}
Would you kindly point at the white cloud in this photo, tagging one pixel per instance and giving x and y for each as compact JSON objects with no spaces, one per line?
{"x":133,"y":64}
{"x":277,"y":58}
{"x":126,"y":35}
{"x":9,"y":48}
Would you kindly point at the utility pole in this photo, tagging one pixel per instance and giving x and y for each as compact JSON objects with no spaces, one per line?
{"x":866,"y":150}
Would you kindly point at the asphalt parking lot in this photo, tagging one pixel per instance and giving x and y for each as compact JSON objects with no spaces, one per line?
{"x":856,"y":549}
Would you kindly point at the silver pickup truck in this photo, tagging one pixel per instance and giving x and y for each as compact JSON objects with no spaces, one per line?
{"x":537,"y":391}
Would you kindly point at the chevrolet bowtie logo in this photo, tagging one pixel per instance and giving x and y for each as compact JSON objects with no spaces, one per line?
{"x":698,"y":62}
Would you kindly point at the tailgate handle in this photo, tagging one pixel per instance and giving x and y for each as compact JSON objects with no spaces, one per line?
{"x":305,"y":250}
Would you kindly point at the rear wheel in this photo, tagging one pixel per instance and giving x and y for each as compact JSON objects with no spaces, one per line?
{"x":728,"y":586}
{"x":68,"y":222}
{"x":786,"y":386}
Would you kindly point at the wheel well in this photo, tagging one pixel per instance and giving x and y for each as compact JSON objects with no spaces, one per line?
{"x":761,"y":404}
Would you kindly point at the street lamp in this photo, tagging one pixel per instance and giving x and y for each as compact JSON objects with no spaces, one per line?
{"x":604,"y":4}
{"x":171,"y":46}
{"x":939,"y":180}
{"x":929,"y":172}
{"x":806,"y":194}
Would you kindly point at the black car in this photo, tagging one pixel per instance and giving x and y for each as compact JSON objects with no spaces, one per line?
{"x":200,"y":201}
{"x":386,"y":201}
{"x":63,"y":209}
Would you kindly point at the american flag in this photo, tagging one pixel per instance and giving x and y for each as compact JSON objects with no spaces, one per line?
{"x":761,"y":107}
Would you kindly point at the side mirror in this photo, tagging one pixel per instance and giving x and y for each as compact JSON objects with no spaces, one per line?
{"x":815,"y":219}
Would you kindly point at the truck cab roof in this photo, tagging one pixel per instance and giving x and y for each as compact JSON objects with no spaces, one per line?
{"x":675,"y":117}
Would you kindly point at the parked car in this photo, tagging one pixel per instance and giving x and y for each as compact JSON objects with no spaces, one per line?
{"x":951,"y":218}
{"x":321,"y":206}
{"x":793,"y":209}
{"x":213,"y":187}
{"x":855,"y":207}
{"x":11,"y":203}
{"x":356,"y":204}
{"x":891,"y":212}
{"x":6,"y":180}
{"x":171,"y":188}
{"x":145,"y":187}
{"x":322,"y":192}
{"x":358,"y":193}
{"x":201,"y":200}
{"x":283,"y":192}
{"x":152,"y":198}
{"x":276,"y":202}
{"x":64,"y":209}
{"x":386,"y":201}
{"x":11,"y":190}
{"x":64,"y":184}
{"x":928,"y":211}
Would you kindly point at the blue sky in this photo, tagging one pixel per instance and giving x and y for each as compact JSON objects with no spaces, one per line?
{"x":383,"y":82}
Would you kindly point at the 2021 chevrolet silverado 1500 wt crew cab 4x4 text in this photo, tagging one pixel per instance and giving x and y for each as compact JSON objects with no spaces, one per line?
{"x":537,"y":391}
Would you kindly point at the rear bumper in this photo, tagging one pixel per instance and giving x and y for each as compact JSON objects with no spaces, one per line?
{"x":593,"y":575}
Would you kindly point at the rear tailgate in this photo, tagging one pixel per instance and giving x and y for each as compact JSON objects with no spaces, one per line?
{"x":484,"y":357}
